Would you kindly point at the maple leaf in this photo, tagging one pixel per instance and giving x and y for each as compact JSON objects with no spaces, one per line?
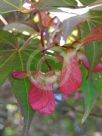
{"x":42,"y":99}
{"x":71,"y":77}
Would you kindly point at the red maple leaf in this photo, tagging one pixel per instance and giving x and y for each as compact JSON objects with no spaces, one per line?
{"x":71,"y":77}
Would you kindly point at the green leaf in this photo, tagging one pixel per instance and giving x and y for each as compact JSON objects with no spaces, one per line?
{"x":6,"y":38}
{"x":87,"y":2}
{"x":21,"y":90}
{"x":6,"y":67}
{"x":7,"y":54}
{"x":97,"y":81}
{"x":12,"y":60}
{"x":10,"y":5}
{"x":19,"y":27}
{"x":59,"y":3}
{"x":96,"y":17}
{"x":89,"y":95}
{"x":50,"y":4}
{"x":93,"y":50}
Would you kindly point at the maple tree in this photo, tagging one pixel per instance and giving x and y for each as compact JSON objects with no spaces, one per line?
{"x":48,"y":45}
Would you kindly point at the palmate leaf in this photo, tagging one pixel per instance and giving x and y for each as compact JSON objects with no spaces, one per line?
{"x":6,"y":67}
{"x":7,"y":38}
{"x":87,"y":2}
{"x":53,"y":4}
{"x":19,"y":27}
{"x":10,"y":5}
{"x":7,"y":55}
{"x":59,"y":3}
{"x":12,"y":60}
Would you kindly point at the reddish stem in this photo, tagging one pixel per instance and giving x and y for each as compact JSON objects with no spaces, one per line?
{"x":3,"y":20}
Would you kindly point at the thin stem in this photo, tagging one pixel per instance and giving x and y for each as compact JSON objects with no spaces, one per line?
{"x":82,"y":112}
{"x":3,"y":20}
{"x":42,"y":38}
{"x":27,"y":42}
{"x":42,"y":42}
{"x":43,"y":51}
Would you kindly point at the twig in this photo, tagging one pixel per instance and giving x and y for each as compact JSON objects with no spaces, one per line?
{"x":3,"y":20}
{"x":82,"y":112}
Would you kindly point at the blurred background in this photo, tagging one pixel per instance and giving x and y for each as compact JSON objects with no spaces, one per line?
{"x":66,"y":121}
